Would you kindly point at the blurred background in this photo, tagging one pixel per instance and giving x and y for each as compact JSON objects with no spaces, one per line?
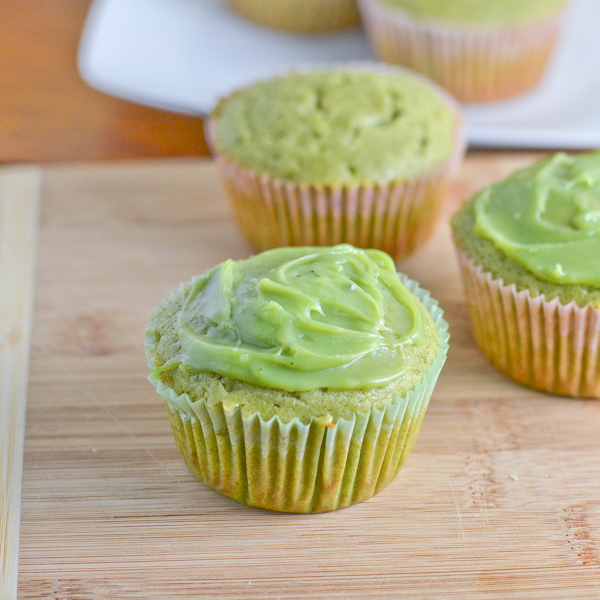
{"x":47,"y":113}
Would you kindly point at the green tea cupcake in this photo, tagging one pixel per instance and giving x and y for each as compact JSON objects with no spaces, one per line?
{"x":300,"y":16}
{"x":479,"y":50}
{"x":363,"y":155}
{"x":297,"y":380}
{"x":529,"y":248}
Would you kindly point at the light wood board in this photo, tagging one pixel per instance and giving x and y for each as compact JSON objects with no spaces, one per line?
{"x":19,"y":210}
{"x":500,"y":498}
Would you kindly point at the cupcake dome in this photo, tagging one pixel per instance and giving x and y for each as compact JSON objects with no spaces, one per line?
{"x":529,"y":248}
{"x":337,"y":128}
{"x":262,"y":362}
{"x":492,"y":14}
{"x":327,"y":156}
{"x":300,"y":16}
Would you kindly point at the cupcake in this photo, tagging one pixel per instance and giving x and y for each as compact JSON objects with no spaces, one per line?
{"x":360,"y":155}
{"x":479,"y":50}
{"x":297,"y":380}
{"x":300,"y":16}
{"x":529,"y":250}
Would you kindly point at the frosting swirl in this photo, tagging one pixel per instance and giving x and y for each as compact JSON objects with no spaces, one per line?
{"x":547,"y":218}
{"x":299,"y":319}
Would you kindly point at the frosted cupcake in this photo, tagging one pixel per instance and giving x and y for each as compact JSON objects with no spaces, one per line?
{"x":300,"y":16}
{"x":297,"y":380}
{"x":479,"y":50}
{"x":358,"y":155}
{"x":529,"y":248}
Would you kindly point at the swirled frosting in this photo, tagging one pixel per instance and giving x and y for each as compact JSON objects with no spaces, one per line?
{"x":300,"y":319}
{"x":547,"y":218}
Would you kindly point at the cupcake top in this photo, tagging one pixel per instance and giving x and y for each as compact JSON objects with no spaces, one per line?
{"x":297,"y":333}
{"x":482,"y":13}
{"x":540,"y":228}
{"x":299,"y":319}
{"x":336,"y":127}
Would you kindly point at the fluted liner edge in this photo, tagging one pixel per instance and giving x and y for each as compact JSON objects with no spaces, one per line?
{"x":542,"y":344}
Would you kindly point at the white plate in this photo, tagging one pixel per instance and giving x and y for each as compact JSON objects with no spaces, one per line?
{"x":185,"y":54}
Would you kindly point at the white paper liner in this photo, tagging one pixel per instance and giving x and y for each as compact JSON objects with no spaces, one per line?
{"x":397,"y":217}
{"x":473,"y":65}
{"x":541,"y":344}
{"x":297,"y":467}
{"x":301,"y":16}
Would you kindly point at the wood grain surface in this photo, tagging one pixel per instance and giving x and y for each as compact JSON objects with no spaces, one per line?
{"x":19,"y":212}
{"x":500,"y":498}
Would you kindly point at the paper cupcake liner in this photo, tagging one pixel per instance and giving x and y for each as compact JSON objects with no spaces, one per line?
{"x":545,"y":345}
{"x":300,"y":16}
{"x":473,"y":65}
{"x":298,"y":467}
{"x":397,"y":217}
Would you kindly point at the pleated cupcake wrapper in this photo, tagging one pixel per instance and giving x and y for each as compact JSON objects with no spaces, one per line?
{"x":298,"y":467}
{"x":473,"y":65}
{"x":541,"y":344}
{"x":397,"y":217}
{"x":301,"y":16}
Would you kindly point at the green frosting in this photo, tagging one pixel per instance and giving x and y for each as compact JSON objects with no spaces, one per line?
{"x":547,"y":218}
{"x":337,"y":128}
{"x":477,"y":13}
{"x":299,"y":319}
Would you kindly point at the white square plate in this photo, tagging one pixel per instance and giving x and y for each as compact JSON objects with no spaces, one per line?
{"x":185,"y":54}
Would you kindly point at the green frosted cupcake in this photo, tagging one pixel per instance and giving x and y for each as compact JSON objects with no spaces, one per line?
{"x":530,"y":251}
{"x":362,"y":154}
{"x":297,"y":380}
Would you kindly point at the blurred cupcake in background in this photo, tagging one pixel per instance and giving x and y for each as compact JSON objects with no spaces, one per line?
{"x":529,"y":250}
{"x":479,"y":50}
{"x":300,"y":16}
{"x":362,"y":154}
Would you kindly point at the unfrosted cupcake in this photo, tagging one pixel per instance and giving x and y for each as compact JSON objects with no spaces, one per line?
{"x":479,"y":50}
{"x":363,"y":155}
{"x":297,"y":380}
{"x":529,"y":249}
{"x":300,"y":16}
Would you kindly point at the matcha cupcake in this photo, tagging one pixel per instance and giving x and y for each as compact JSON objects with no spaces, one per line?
{"x":300,"y":16}
{"x":297,"y":380}
{"x":361,"y":155}
{"x":479,"y":50}
{"x":529,"y":249}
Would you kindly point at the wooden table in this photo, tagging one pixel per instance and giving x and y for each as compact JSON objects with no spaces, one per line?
{"x":47,"y":113}
{"x":500,"y":498}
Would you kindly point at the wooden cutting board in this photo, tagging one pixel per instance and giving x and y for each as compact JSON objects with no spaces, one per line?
{"x":500,"y":498}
